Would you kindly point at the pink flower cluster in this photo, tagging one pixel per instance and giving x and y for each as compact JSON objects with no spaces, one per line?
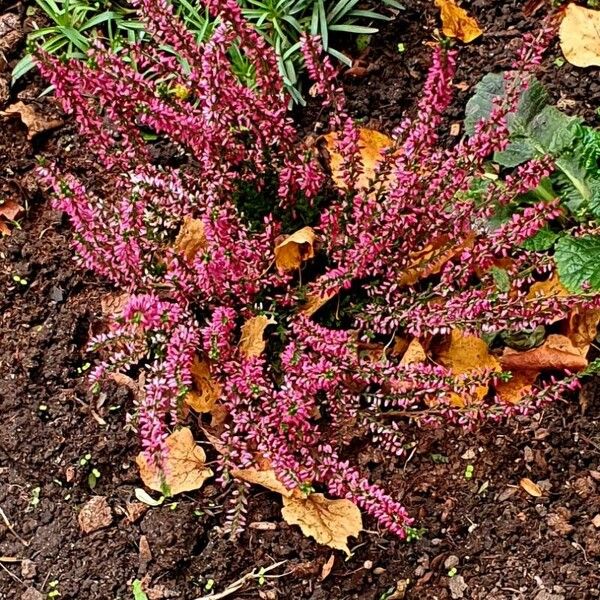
{"x":420,"y":239}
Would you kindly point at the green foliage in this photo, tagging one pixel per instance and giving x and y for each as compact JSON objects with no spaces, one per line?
{"x":578,"y":262}
{"x":75,"y":23}
{"x":138,"y":591}
{"x":539,"y":129}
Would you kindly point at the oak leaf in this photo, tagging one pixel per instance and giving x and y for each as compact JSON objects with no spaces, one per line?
{"x":329,"y":522}
{"x":31,"y":118}
{"x":582,"y":328}
{"x":457,"y":23}
{"x":556,"y":353}
{"x":191,"y":238}
{"x":252,"y":342}
{"x":184,"y":467}
{"x":205,"y":390}
{"x":371,"y":144}
{"x":295,"y":249}
{"x":580,"y":36}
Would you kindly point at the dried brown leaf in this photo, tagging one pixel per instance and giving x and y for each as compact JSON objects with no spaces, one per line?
{"x":295,"y":250}
{"x":252,"y":342}
{"x":314,"y":302}
{"x":329,"y":522}
{"x":533,"y":489}
{"x":415,"y":353}
{"x":517,"y":387}
{"x":371,"y":144}
{"x":191,"y":238}
{"x":556,"y":353}
{"x":31,"y":118}
{"x":457,"y":23}
{"x":264,"y":477}
{"x":184,"y":468}
{"x":580,"y":36}
{"x":205,"y":390}
{"x":95,"y":514}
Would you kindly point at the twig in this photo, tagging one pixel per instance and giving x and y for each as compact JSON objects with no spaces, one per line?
{"x":240,"y":583}
{"x":10,"y":528}
{"x":13,"y":575}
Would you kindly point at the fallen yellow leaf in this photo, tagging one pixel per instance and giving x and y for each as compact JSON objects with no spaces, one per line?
{"x":329,"y":522}
{"x":457,"y":23}
{"x":533,"y":489}
{"x":264,"y":477}
{"x":191,"y":238}
{"x":252,"y":342}
{"x":184,"y":468}
{"x":295,"y":249}
{"x":314,"y":302}
{"x":582,"y":328}
{"x":371,"y":144}
{"x":205,"y":390}
{"x":415,"y":353}
{"x":467,"y":354}
{"x":580,"y":36}
{"x":556,"y":353}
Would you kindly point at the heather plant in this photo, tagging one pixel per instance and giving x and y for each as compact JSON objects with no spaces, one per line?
{"x":420,"y":246}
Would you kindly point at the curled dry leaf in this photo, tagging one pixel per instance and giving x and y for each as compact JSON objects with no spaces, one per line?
{"x":95,"y":514}
{"x":9,"y":211}
{"x":371,"y":144}
{"x":457,"y":23}
{"x":191,"y":238}
{"x":556,"y":353}
{"x":264,"y":477}
{"x":415,"y":353}
{"x":314,"y":302}
{"x":295,"y":249}
{"x":31,"y":118}
{"x":327,"y":567}
{"x":184,"y":468}
{"x":517,"y":387}
{"x":580,"y":36}
{"x":431,"y":259}
{"x":329,"y":522}
{"x":252,"y":342}
{"x":205,"y":390}
{"x":533,"y":489}
{"x":582,"y":328}
{"x":467,"y":354}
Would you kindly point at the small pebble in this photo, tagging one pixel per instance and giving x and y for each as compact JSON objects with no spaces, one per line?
{"x":28,"y":569}
{"x":457,"y":586}
{"x":378,"y":571}
{"x":451,"y":561}
{"x":368,"y":564}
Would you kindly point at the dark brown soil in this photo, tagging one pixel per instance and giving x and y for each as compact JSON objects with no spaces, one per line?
{"x":501,"y":543}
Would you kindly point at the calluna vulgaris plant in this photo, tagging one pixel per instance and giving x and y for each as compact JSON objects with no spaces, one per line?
{"x":297,"y":406}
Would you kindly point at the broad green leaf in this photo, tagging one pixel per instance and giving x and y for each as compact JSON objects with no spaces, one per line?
{"x":138,"y":591}
{"x":578,"y":262}
{"x":543,"y":240}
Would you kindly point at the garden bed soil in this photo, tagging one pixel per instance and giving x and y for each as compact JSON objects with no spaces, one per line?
{"x":485,"y":538}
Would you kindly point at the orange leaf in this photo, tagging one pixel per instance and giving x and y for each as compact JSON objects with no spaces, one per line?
{"x":35,"y":121}
{"x":314,"y":302}
{"x":191,"y":238}
{"x":556,"y":353}
{"x":457,"y":23}
{"x":582,"y":328}
{"x":295,"y":249}
{"x":580,"y":36}
{"x":467,"y":354}
{"x":371,"y":143}
{"x":252,"y":342}
{"x":415,"y":353}
{"x":205,"y":390}
{"x":184,"y":468}
{"x":517,"y":387}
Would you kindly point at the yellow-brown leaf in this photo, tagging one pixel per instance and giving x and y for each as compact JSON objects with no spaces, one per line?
{"x":582,"y":328}
{"x":371,"y":144}
{"x":295,"y":249}
{"x":191,"y":238}
{"x":184,"y":468}
{"x":252,"y":342}
{"x":205,"y":390}
{"x":415,"y":353}
{"x":517,"y":387}
{"x":264,"y":477}
{"x":314,"y":302}
{"x":457,"y":23}
{"x":329,"y":522}
{"x":580,"y":36}
{"x":533,"y":489}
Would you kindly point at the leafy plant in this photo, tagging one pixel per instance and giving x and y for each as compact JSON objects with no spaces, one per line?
{"x":405,"y":236}
{"x":76,"y":23}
